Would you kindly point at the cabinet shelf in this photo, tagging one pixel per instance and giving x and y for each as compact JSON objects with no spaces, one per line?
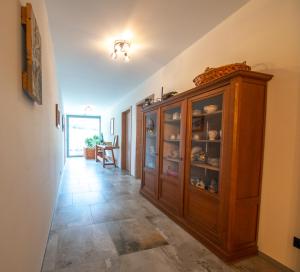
{"x":206,"y":141}
{"x":207,"y":114}
{"x":176,"y":121}
{"x":205,"y":165}
{"x":172,"y":141}
{"x":204,"y":191}
{"x":172,"y":160}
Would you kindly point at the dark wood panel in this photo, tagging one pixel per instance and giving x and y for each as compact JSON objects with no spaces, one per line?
{"x":250,"y":136}
{"x":170,"y":195}
{"x":202,"y":210}
{"x":244,"y":231}
{"x":139,"y":142}
{"x":149,"y":183}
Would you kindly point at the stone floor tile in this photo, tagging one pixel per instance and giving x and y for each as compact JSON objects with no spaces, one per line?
{"x":86,"y":267}
{"x":103,"y":223}
{"x":64,"y":200}
{"x":134,"y":235}
{"x":257,"y":264}
{"x":89,"y":198}
{"x":213,"y":263}
{"x":82,"y":246}
{"x":152,"y":260}
{"x":71,"y":216}
{"x":50,"y":255}
{"x":106,"y":212}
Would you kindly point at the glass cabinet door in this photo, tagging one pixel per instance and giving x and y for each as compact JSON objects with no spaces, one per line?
{"x":206,"y":140}
{"x":151,"y":140}
{"x":171,"y":142}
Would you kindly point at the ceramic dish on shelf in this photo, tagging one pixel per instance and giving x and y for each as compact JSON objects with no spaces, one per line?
{"x":172,"y":137}
{"x":210,"y":108}
{"x":196,"y":136}
{"x":213,"y":162}
{"x":176,"y":116}
{"x":172,"y":173}
{"x":196,"y":112}
{"x":168,"y":116}
{"x":200,"y":185}
{"x":212,"y":135}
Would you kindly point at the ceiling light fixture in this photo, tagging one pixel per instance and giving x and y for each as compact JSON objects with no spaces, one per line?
{"x":121,"y":49}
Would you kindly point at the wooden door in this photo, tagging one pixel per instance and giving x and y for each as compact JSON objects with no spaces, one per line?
{"x":203,"y":172}
{"x":150,"y":154}
{"x":139,"y":142}
{"x":171,"y":177}
{"x":128,"y":141}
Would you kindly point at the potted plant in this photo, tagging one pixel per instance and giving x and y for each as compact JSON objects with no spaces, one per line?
{"x":90,"y":145}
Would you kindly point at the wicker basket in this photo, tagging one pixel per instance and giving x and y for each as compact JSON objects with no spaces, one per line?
{"x":211,"y":74}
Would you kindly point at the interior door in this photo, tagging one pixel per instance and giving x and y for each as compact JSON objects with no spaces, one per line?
{"x":151,"y":152}
{"x":128,"y":141}
{"x":139,"y":142}
{"x":171,"y":178}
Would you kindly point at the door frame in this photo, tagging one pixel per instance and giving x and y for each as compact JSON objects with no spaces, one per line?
{"x":124,"y":138}
{"x":68,"y":116}
{"x":139,"y":137}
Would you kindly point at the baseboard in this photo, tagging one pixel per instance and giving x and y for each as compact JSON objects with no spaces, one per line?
{"x":53,"y":209}
{"x":282,"y":267}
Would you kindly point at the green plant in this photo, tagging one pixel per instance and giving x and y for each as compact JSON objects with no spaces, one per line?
{"x":91,"y":142}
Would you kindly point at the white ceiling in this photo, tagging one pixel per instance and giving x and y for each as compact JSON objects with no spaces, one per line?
{"x":161,"y":30}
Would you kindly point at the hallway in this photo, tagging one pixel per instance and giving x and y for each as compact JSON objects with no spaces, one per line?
{"x":102,"y":223}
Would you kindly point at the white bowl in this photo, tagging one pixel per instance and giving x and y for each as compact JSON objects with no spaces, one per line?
{"x":210,"y":108}
{"x":213,"y":161}
{"x":197,"y":112}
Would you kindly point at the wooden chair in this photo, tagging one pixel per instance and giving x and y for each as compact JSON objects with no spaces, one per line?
{"x":102,"y":152}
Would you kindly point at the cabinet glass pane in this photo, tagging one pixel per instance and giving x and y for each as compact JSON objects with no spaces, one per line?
{"x":206,"y":144}
{"x":151,"y":136}
{"x":171,"y":141}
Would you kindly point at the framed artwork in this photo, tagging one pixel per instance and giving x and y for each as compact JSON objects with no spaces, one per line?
{"x":57,"y":116}
{"x":32,"y":74}
{"x":112,"y":126}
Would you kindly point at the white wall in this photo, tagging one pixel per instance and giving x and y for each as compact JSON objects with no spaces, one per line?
{"x":265,"y":33}
{"x":31,"y":157}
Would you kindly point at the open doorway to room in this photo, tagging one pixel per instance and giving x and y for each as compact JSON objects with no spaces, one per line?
{"x":80,"y":127}
{"x":139,"y":137}
{"x":126,"y":141}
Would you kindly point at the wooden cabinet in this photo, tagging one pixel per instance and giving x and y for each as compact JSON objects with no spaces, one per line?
{"x":207,"y":161}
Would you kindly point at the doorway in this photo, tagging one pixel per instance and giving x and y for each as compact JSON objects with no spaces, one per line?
{"x":80,"y":127}
{"x":126,"y":141}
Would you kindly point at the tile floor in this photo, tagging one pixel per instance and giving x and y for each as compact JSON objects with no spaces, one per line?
{"x":102,"y":223}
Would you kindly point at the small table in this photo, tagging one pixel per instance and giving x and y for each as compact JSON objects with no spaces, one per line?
{"x":101,"y":155}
